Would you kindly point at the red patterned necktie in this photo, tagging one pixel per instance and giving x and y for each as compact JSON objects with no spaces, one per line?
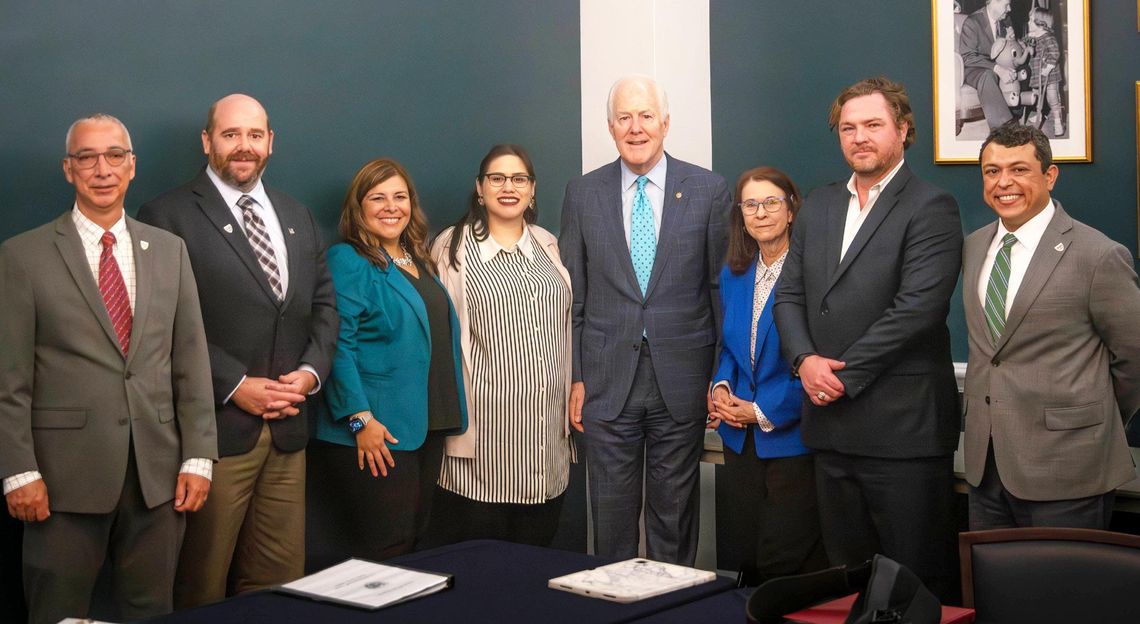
{"x":114,"y":291}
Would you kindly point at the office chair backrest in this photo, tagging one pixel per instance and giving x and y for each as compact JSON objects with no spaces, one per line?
{"x":1042,"y":575}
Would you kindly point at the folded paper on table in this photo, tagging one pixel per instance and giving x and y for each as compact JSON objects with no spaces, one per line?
{"x":367,"y":585}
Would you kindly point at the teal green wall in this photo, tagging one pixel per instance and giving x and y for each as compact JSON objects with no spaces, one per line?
{"x":435,"y":83}
{"x":776,"y":66}
{"x":431,"y":83}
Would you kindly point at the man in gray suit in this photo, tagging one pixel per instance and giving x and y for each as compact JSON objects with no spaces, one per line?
{"x":1052,"y":307}
{"x":979,"y":32}
{"x":643,"y":239}
{"x":105,"y":411}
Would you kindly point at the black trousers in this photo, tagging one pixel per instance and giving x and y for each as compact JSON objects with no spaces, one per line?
{"x":777,"y":501}
{"x":12,"y":607}
{"x":901,"y":508}
{"x":994,"y":507}
{"x":64,"y":554}
{"x":456,"y":518}
{"x":350,"y":513}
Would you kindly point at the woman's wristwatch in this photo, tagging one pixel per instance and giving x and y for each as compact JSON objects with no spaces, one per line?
{"x":356,"y":423}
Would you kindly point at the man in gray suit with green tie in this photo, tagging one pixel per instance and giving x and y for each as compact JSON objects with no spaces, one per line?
{"x":1051,"y":307}
{"x":107,"y":432}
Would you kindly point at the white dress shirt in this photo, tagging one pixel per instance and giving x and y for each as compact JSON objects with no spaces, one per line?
{"x":1028,"y":236}
{"x":91,"y":236}
{"x":264,"y":209}
{"x":654,"y":190}
{"x":857,"y":214}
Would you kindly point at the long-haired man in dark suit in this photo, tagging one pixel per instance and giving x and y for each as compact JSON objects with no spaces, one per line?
{"x":861,"y":310}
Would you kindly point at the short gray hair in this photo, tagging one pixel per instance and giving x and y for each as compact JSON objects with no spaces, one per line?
{"x":96,"y":117}
{"x":642,"y":79}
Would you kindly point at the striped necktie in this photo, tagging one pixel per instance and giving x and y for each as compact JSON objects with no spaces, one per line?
{"x":258,"y":237}
{"x":997,"y":288}
{"x":642,"y":236}
{"x":114,"y":292}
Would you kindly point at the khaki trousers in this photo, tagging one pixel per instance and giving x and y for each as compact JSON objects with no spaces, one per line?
{"x":251,"y":532}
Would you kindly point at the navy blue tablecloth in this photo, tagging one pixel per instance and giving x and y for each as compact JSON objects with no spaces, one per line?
{"x":727,"y":607}
{"x":493,"y":582}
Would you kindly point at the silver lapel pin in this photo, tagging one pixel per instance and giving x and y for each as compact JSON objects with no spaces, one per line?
{"x":228,"y":228}
{"x":144,"y":245}
{"x":291,"y":231}
{"x":1060,"y":247}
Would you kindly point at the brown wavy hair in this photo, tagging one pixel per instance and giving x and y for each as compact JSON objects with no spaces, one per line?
{"x":893,"y":92}
{"x":742,"y":248}
{"x":355,"y":232}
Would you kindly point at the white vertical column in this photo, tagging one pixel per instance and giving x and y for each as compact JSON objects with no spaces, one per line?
{"x":665,"y":39}
{"x":668,"y":40}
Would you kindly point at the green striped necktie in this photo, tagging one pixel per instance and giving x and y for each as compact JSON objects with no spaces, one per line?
{"x":997,"y":289}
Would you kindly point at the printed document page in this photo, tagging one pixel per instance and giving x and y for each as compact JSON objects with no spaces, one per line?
{"x":366,"y":584}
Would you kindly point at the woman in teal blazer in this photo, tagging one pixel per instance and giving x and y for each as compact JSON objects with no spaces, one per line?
{"x":396,"y":386}
{"x":768,"y":477}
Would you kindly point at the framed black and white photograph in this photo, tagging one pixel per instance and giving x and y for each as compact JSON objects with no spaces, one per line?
{"x":1002,"y":60}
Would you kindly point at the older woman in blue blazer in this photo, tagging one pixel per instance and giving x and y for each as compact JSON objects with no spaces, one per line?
{"x":755,"y":401}
{"x":396,"y":386}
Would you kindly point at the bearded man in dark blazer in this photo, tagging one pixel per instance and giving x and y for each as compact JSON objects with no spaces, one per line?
{"x":271,"y":323}
{"x":861,"y":308}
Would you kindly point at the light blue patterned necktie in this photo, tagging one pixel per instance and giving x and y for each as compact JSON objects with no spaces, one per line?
{"x":642,"y":236}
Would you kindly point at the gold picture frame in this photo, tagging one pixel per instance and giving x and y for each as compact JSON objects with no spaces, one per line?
{"x":960,"y":124}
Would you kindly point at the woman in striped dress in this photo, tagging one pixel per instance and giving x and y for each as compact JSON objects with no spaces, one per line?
{"x":505,"y":478}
